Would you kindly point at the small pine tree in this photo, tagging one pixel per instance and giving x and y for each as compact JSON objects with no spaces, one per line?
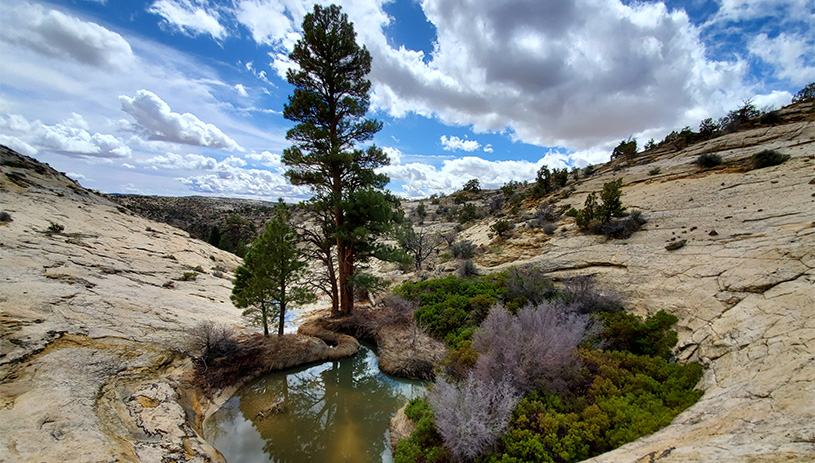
{"x":272,"y":272}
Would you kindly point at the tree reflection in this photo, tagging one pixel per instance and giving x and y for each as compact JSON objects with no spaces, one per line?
{"x":336,"y":411}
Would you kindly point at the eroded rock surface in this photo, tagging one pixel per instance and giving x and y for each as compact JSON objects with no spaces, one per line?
{"x":94,"y":323}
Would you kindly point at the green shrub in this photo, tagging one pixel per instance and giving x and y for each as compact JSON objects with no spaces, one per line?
{"x":425,"y":443}
{"x":502,"y":227}
{"x":708,"y":160}
{"x":56,"y":228}
{"x":467,"y":269}
{"x":189,"y":276}
{"x":472,"y":185}
{"x":464,"y":249}
{"x":627,"y":332}
{"x":5,"y":217}
{"x":626,"y":149}
{"x":768,"y":158}
{"x":467,"y":213}
{"x":627,"y":397}
{"x":449,"y":306}
{"x":549,"y":228}
{"x":654,"y":171}
{"x":572,"y":212}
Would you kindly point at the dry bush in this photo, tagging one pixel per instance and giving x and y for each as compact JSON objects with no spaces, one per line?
{"x":536,"y":347}
{"x":213,"y":339}
{"x":471,"y":414}
{"x":584,"y":296}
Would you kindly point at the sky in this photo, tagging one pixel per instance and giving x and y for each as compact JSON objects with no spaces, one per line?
{"x":185,"y":97}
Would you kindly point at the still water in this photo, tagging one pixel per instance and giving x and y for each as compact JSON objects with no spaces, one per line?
{"x":332,"y":412}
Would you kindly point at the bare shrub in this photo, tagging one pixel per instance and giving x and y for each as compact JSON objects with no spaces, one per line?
{"x":546,"y":213}
{"x":213,"y":339}
{"x":536,"y":347}
{"x":471,"y":414}
{"x":583,"y":295}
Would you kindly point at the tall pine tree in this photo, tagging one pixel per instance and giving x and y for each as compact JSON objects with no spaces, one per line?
{"x":329,"y":103}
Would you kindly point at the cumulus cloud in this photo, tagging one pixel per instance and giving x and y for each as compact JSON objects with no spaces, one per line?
{"x":793,"y":56}
{"x":53,"y":33}
{"x":245,"y":182}
{"x":192,"y":162}
{"x":67,"y":137}
{"x":454,"y":143}
{"x":572,"y":74}
{"x":267,"y":159}
{"x":488,"y":149}
{"x":191,"y":17}
{"x":422,"y":179}
{"x":155,"y":116}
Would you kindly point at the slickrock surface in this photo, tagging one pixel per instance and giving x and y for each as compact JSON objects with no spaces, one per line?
{"x":745,"y":295}
{"x":93,"y":321}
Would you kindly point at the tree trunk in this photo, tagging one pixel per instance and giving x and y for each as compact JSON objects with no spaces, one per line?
{"x":335,"y":296}
{"x":263,"y":316}
{"x":282,"y":320}
{"x":346,"y":269}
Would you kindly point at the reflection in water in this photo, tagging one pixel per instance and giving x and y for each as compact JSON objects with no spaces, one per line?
{"x":332,"y":412}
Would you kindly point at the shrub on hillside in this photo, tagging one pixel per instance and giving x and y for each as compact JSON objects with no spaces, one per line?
{"x":467,"y":213}
{"x":502,"y":228}
{"x":466,"y":269}
{"x":708,"y":160}
{"x":582,"y":295}
{"x":5,"y":217}
{"x":767,"y":158}
{"x":56,"y":228}
{"x":805,"y":94}
{"x":464,"y":249}
{"x":621,"y":228}
{"x":526,"y":285}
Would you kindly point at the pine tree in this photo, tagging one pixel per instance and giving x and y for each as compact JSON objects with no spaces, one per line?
{"x":272,"y":273}
{"x":329,"y":103}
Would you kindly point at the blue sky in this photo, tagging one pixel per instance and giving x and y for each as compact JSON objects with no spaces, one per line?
{"x":183,"y":97}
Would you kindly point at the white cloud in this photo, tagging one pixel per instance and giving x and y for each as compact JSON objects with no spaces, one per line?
{"x":191,"y":17}
{"x":192,"y":162}
{"x":547,"y":73}
{"x":488,"y":149}
{"x":241,"y":90}
{"x":267,"y":159}
{"x":67,"y":137}
{"x":422,"y":180}
{"x":156,"y":117}
{"x":55,"y":34}
{"x":394,"y":155}
{"x":245,"y":182}
{"x":793,"y":56}
{"x":18,"y":145}
{"x":454,"y":143}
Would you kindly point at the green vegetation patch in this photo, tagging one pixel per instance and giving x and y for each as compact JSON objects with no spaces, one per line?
{"x":452,"y":307}
{"x":628,"y":396}
{"x":618,"y":385}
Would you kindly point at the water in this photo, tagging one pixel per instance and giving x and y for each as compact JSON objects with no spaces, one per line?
{"x":333,"y":412}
